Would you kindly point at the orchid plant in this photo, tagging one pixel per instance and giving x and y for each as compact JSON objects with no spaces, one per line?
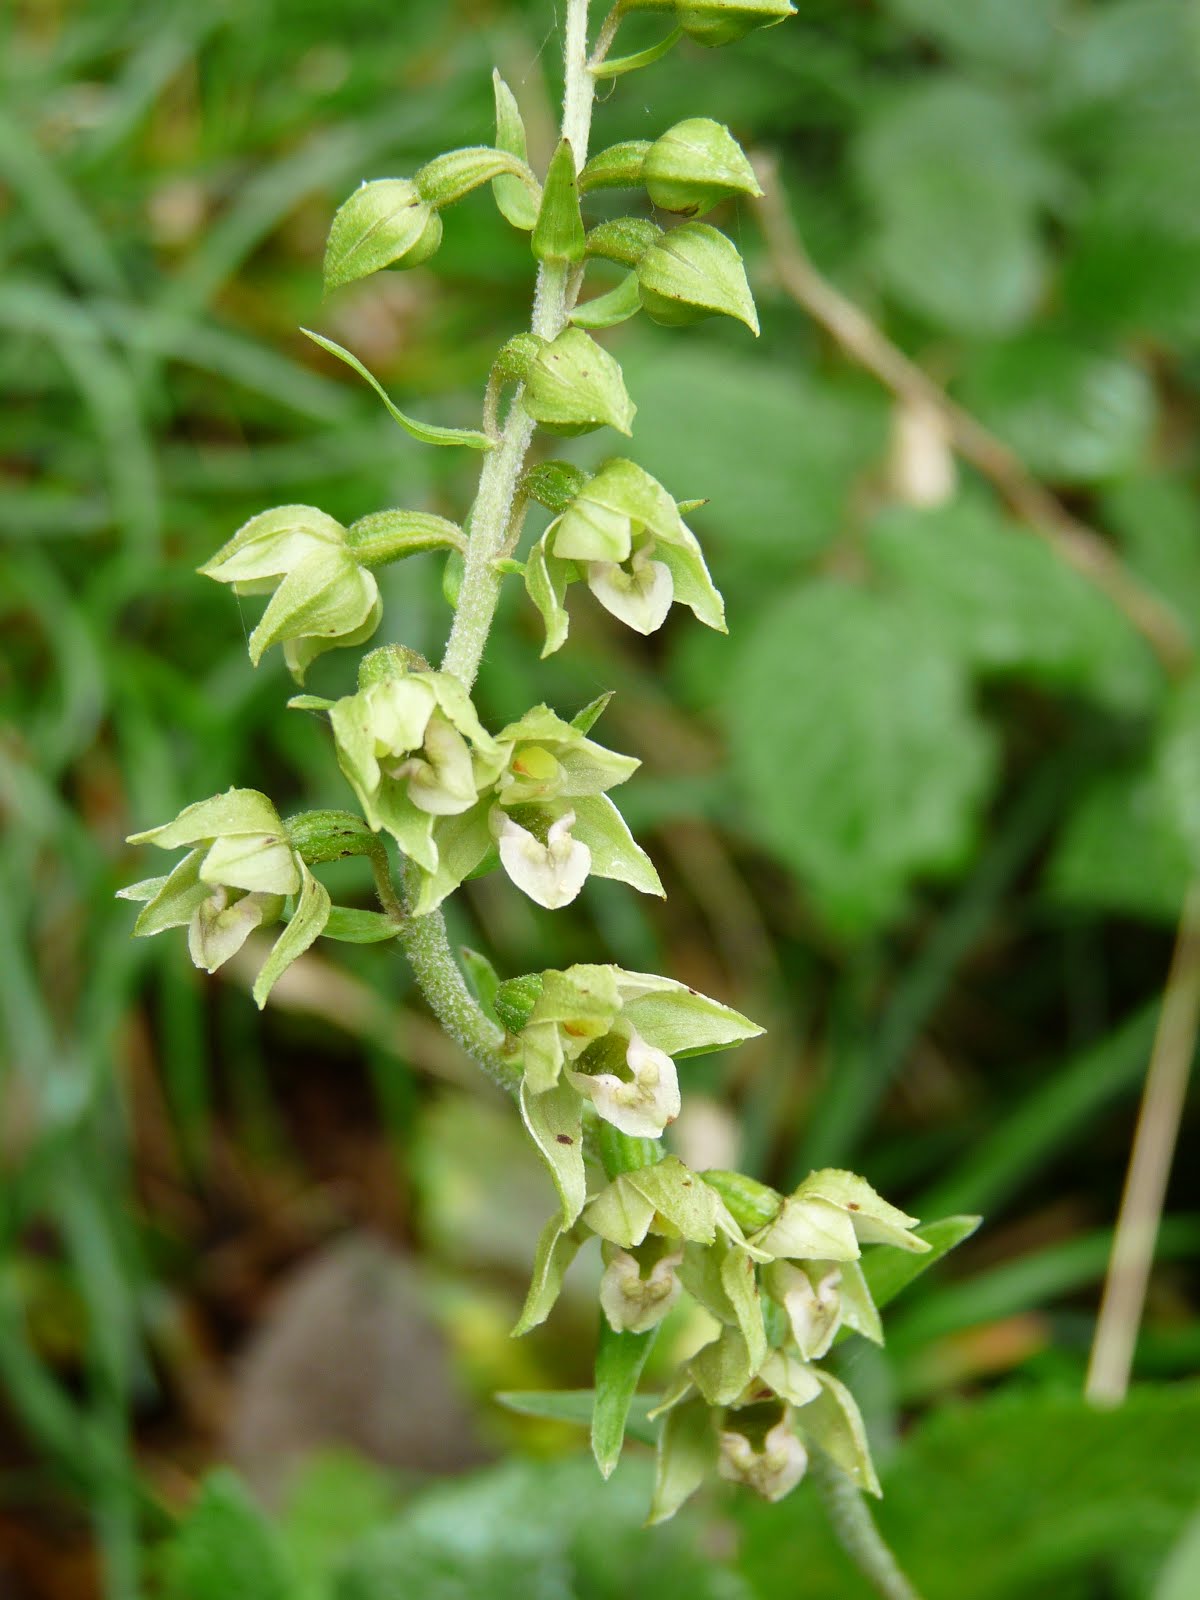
{"x":590,"y":1054}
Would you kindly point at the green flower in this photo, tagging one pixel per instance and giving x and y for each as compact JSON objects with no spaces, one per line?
{"x":614,"y":1035}
{"x":321,"y":594}
{"x":236,"y":877}
{"x":624,"y":535}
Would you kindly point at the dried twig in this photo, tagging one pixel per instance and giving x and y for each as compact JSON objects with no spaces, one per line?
{"x":1080,"y":546}
{"x":1149,"y":1167}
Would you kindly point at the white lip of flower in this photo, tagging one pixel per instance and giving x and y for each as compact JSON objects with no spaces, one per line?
{"x":442,"y":779}
{"x":814,"y":1310}
{"x":773,"y":1471}
{"x":552,"y":874}
{"x":639,"y":595}
{"x":634,"y":1304}
{"x":643,"y":1107}
{"x":220,"y":926}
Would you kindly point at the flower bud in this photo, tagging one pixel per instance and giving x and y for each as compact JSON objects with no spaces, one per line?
{"x":694,"y":166}
{"x":694,"y":272}
{"x":574,"y":386}
{"x":717,"y":22}
{"x":386,"y":223}
{"x":771,"y":1462}
{"x":633,"y":1302}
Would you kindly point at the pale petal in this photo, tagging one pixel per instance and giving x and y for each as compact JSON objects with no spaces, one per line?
{"x":552,"y":874}
{"x":634,"y":1304}
{"x":773,"y":1471}
{"x":643,"y":1107}
{"x":640,"y":599}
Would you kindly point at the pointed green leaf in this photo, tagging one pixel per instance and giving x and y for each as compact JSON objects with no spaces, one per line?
{"x":426,"y":432}
{"x":577,"y":1405}
{"x":617,"y":66}
{"x":889,"y":1271}
{"x":620,"y":1358}
{"x":607,"y":310}
{"x":555,"y":1123}
{"x":558,"y":235}
{"x":556,"y":1249}
{"x":515,"y":200}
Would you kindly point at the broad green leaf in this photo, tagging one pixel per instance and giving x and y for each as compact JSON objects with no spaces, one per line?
{"x":426,"y":432}
{"x":857,"y":754}
{"x":1118,"y":850}
{"x":954,"y":180}
{"x":1074,"y":414}
{"x":992,"y":591}
{"x":620,"y":1358}
{"x":225,"y":1548}
{"x":1095,"y":1494}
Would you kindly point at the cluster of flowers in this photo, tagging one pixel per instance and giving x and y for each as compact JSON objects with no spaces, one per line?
{"x":780,"y":1276}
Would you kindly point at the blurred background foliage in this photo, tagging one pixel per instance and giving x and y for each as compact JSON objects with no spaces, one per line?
{"x":928,"y":812}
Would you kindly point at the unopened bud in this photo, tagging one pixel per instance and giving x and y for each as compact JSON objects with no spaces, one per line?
{"x":695,"y":272}
{"x":383,"y":224}
{"x":695,"y":165}
{"x":574,"y":386}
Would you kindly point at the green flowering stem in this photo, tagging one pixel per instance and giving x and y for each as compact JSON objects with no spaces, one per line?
{"x":855,"y":1530}
{"x":444,"y":987}
{"x":557,"y":290}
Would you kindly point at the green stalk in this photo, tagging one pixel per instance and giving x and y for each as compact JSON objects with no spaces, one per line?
{"x":856,"y":1532}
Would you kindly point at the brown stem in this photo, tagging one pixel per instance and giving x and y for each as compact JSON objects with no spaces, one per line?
{"x":863,"y":341}
{"x":1149,"y":1167}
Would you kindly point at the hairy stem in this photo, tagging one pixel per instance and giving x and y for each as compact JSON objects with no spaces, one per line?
{"x":424,"y":938}
{"x":554,"y":301}
{"x":856,"y":1532}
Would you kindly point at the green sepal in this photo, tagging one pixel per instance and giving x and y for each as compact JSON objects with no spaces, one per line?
{"x":515,"y":200}
{"x":171,"y":901}
{"x":546,"y":579}
{"x":557,"y":1247}
{"x":620,"y":1360}
{"x":555,"y":1124}
{"x":618,"y":167}
{"x":695,"y":272}
{"x":448,"y":178}
{"x":235,"y":811}
{"x":387,"y":536}
{"x":624,"y":240}
{"x":680,"y":1020}
{"x":608,"y":310}
{"x":305,"y":925}
{"x":558,"y":234}
{"x":348,"y":925}
{"x":615,"y":852}
{"x":329,"y":836}
{"x":387,"y":223}
{"x":833,"y":1422}
{"x":685,"y":1456}
{"x":617,"y":66}
{"x":426,"y":432}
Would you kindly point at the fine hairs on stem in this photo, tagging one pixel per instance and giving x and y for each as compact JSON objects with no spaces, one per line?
{"x":589,"y":1053}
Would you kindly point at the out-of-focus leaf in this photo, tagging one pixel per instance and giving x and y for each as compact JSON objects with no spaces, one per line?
{"x":1177,"y":765}
{"x":1119,"y":852}
{"x":226,"y":1548}
{"x":536,"y":1531}
{"x":954,"y":181}
{"x":773,"y":451}
{"x":989,"y":588}
{"x":1015,"y":34}
{"x":1092,"y":1493}
{"x":578,"y":1406}
{"x":1073,"y":414}
{"x":1158,"y":521}
{"x":856,"y":748}
{"x":332,"y":1500}
{"x":1180,"y":1578}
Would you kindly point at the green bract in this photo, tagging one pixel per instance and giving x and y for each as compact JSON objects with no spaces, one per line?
{"x":622,"y":532}
{"x":236,"y":877}
{"x":716,"y":22}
